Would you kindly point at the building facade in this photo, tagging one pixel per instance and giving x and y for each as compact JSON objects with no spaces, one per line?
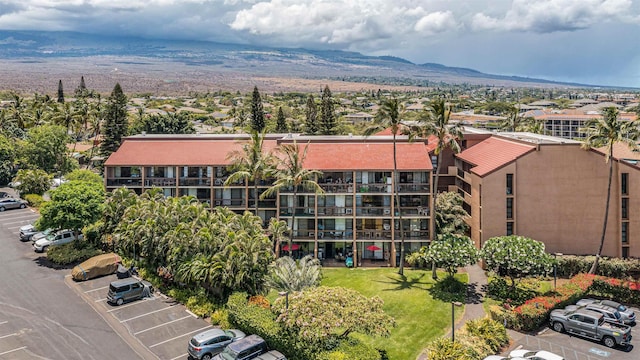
{"x":356,"y":214}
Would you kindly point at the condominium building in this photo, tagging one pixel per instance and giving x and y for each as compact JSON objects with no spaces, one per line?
{"x":552,"y":190}
{"x":356,"y":214}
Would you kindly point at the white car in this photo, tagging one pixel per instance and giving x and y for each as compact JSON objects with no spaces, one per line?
{"x":534,"y":355}
{"x":59,"y":238}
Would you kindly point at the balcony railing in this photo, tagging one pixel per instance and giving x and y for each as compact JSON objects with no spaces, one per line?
{"x":159,"y":182}
{"x":413,"y":188}
{"x":229,"y":202}
{"x":335,"y":211}
{"x":300,"y":211}
{"x":337,"y":188}
{"x":373,"y":211}
{"x":136,"y":181}
{"x":373,"y":234}
{"x":374,"y":188}
{"x":195,"y":182}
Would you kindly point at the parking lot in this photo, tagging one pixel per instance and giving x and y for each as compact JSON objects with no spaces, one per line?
{"x":576,"y":348}
{"x":156,"y":327}
{"x":158,"y":323}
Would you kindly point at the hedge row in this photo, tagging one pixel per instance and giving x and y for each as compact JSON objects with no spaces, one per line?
{"x":260,"y":320}
{"x":535,"y":312}
{"x":478,"y":339}
{"x":570,"y":265}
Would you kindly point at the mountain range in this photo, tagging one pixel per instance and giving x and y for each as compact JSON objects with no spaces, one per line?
{"x":186,"y":65}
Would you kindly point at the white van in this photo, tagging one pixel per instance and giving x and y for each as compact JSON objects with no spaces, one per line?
{"x":58,"y":238}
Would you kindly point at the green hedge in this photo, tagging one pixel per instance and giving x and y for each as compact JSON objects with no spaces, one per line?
{"x":626,"y":292}
{"x":254,"y":319}
{"x":570,"y":265}
{"x":34,"y":200}
{"x":73,"y":252}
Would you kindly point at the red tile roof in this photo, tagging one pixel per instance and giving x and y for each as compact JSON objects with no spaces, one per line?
{"x":322,"y":155}
{"x":366,"y":156}
{"x":492,"y":154}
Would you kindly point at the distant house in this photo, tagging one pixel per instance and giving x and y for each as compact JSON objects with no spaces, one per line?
{"x":415,"y":107}
{"x":358,"y":117}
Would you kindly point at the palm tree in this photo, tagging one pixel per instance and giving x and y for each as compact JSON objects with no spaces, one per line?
{"x":435,"y":122}
{"x":389,"y":117}
{"x":278,"y":230}
{"x":294,"y":175}
{"x":513,"y":122}
{"x":290,"y":275}
{"x":605,"y":132}
{"x":251,"y":163}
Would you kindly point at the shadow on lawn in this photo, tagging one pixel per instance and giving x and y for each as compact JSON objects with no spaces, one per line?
{"x":401,"y":282}
{"x":451,"y":289}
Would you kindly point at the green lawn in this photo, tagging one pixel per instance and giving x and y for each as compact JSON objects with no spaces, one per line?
{"x":420,"y":318}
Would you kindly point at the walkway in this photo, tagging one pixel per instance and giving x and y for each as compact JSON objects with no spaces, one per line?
{"x":475,"y":294}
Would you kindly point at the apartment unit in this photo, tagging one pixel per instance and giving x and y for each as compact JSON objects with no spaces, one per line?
{"x":356,"y":214}
{"x":567,"y":123}
{"x":552,"y":190}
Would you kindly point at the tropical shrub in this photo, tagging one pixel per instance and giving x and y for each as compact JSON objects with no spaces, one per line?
{"x":33,"y":181}
{"x":498,"y":289}
{"x":492,"y":332}
{"x":570,"y":265}
{"x":34,"y":200}
{"x":287,"y":274}
{"x":627,"y":292}
{"x":84,"y":175}
{"x":477,"y":339}
{"x":73,"y":252}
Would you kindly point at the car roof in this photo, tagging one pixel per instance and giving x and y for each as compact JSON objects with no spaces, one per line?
{"x":613,"y":304}
{"x":271,"y":355}
{"x":209,"y":334}
{"x":588,"y":312}
{"x":601,"y":307}
{"x":123,"y":282}
{"x":243,"y":343}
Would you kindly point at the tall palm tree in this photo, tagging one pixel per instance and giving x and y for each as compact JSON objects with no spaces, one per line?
{"x":514,"y":121}
{"x":388,"y":117}
{"x":605,"y":132}
{"x":289,"y":275}
{"x":251,"y":163}
{"x":292,"y":174}
{"x":278,"y":230}
{"x":436,"y":121}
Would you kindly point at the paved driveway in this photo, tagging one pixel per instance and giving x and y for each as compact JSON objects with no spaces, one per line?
{"x":161,"y":325}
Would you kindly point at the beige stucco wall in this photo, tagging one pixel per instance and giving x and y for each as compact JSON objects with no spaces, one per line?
{"x":559,"y":199}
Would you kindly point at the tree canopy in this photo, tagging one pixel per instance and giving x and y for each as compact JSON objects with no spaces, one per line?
{"x":452,"y":251}
{"x":516,"y":257}
{"x":116,"y":124}
{"x":257,"y":111}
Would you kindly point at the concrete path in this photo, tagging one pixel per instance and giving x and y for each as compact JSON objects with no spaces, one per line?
{"x":476,"y":290}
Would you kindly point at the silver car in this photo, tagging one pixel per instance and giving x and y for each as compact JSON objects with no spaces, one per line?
{"x":12,"y":203}
{"x":205,"y":345}
{"x":628,"y":315}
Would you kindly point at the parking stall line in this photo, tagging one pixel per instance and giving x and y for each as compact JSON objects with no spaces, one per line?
{"x":125,"y":306}
{"x":161,"y":325}
{"x":100,"y":300}
{"x":180,"y":356}
{"x":178,"y":337}
{"x":15,"y":215}
{"x":6,"y":336}
{"x":3,"y":322}
{"x":143,"y":315}
{"x":101,"y":288}
{"x":23,"y":222}
{"x":13,"y":350}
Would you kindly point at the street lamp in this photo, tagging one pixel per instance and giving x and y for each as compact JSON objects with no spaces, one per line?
{"x":453,"y":320}
{"x":286,"y":299}
{"x":555,"y":265}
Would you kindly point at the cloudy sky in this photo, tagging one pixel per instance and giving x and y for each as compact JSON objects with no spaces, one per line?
{"x":587,"y":41}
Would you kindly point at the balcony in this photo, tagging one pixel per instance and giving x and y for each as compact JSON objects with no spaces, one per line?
{"x":373,"y":234}
{"x":337,"y":188}
{"x":159,"y":182}
{"x":373,"y":211}
{"x":230,"y":202}
{"x":195,"y":181}
{"x":335,"y":211}
{"x":373,"y":188}
{"x":414,"y":188}
{"x":132,"y":181}
{"x":300,"y":211}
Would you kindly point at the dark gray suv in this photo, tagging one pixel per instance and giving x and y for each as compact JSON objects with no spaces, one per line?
{"x":205,"y":345}
{"x":244,"y":349}
{"x":130,"y":289}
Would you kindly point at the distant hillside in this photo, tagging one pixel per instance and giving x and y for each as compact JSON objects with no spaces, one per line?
{"x":73,"y":54}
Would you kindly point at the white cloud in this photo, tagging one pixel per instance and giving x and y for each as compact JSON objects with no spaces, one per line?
{"x":436,"y":22}
{"x":547,"y":16}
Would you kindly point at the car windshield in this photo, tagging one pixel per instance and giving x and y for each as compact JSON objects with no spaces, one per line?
{"x":622,"y":308}
{"x":617,"y":315}
{"x":195,"y":342}
{"x":230,"y":334}
{"x":229,"y":354}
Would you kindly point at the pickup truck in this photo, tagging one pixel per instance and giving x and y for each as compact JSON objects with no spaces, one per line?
{"x":592,"y":325}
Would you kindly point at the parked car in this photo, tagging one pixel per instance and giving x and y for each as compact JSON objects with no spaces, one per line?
{"x":41,"y":234}
{"x":55,"y":182}
{"x":628,"y":315}
{"x":533,"y":355}
{"x":3,"y":194}
{"x":272,"y":355}
{"x":12,"y":203}
{"x":591,"y":325}
{"x":98,"y":265}
{"x":27,"y":231}
{"x":609,"y":313}
{"x":58,"y":238}
{"x":244,"y":349}
{"x":121,"y":291}
{"x":205,"y":345}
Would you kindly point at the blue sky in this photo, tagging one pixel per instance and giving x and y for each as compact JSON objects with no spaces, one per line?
{"x":587,"y":41}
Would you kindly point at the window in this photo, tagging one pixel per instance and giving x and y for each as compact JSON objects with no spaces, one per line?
{"x":510,"y":228}
{"x":509,"y":208}
{"x":624,"y":184}
{"x":625,"y":208}
{"x":625,"y":252}
{"x":624,"y":233}
{"x":509,"y":184}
